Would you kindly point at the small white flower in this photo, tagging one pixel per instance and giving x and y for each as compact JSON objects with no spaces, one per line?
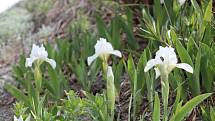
{"x":165,"y":61}
{"x":39,"y":53}
{"x":103,"y":49}
{"x":21,"y":119}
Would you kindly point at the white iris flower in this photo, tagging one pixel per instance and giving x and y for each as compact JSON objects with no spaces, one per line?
{"x":39,"y":53}
{"x":165,"y":61}
{"x":103,"y":49}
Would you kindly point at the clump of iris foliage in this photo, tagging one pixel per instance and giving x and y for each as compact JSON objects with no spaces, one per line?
{"x":179,"y":35}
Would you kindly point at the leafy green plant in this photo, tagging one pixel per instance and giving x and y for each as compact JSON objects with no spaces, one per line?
{"x":186,"y":27}
{"x":34,"y":100}
{"x":73,"y":107}
{"x":179,"y":27}
{"x":138,"y":81}
{"x":183,"y":111}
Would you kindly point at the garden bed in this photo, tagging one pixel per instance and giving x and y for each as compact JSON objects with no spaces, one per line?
{"x":106,"y":60}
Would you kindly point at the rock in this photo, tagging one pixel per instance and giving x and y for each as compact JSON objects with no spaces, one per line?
{"x":6,"y":113}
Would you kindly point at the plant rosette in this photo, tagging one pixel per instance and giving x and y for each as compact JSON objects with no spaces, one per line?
{"x":164,"y":62}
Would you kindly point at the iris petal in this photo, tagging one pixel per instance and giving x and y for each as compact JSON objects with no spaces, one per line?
{"x":185,"y":66}
{"x":157,"y":73}
{"x":91,"y":58}
{"x":151,"y":63}
{"x":116,"y":52}
{"x":29,"y":62}
{"x":51,"y":62}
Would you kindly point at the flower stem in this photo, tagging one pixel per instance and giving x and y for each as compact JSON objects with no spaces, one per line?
{"x":38,"y":83}
{"x":165,"y":95}
{"x":38,"y":78}
{"x":104,"y":67}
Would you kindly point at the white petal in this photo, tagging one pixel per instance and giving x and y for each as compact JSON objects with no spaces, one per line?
{"x":20,"y":118}
{"x":91,"y":59}
{"x":157,"y":73}
{"x":169,"y":34}
{"x":117,"y":53}
{"x":15,"y":118}
{"x":51,"y":62}
{"x":162,"y":1}
{"x":151,"y":63}
{"x":29,"y":62}
{"x":28,"y":118}
{"x":103,"y":47}
{"x":181,"y":2}
{"x":185,"y":66}
{"x":167,"y":54}
{"x":38,"y":52}
{"x":34,"y":51}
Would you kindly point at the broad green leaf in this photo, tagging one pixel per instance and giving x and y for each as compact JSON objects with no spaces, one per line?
{"x":208,"y":12}
{"x":17,"y":93}
{"x":140,"y":71}
{"x":178,"y":79}
{"x":207,"y":64}
{"x":191,"y":45}
{"x":212,"y":113}
{"x":207,"y":38}
{"x":131,"y":70}
{"x":115,"y":33}
{"x":178,"y":107}
{"x":196,"y":6}
{"x":195,"y":77}
{"x":156,"y":112}
{"x":204,"y":114}
{"x":149,"y":79}
{"x":188,"y":107}
{"x":129,"y":17}
{"x":117,"y":75}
